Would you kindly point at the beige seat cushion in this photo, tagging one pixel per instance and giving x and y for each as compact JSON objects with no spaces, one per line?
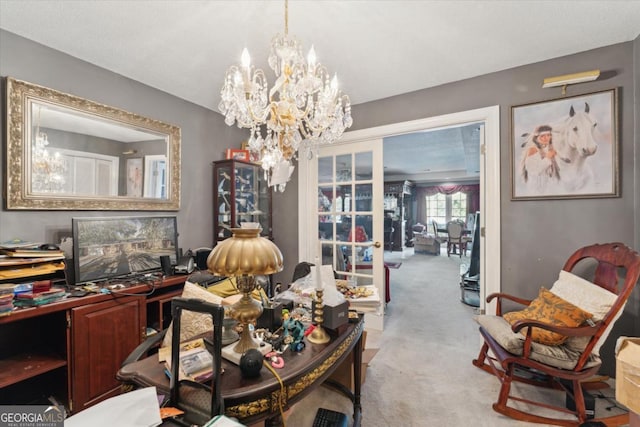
{"x":560,"y":356}
{"x":577,"y":291}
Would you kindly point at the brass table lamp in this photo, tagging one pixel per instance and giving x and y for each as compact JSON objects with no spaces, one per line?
{"x":244,"y":255}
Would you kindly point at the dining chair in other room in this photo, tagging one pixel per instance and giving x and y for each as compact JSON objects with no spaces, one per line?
{"x":455,"y":238}
{"x":440,"y":237}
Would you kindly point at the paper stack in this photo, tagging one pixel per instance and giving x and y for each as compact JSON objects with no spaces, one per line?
{"x":6,"y":299}
{"x":196,"y":363}
{"x":33,"y":298}
{"x":365,"y":299}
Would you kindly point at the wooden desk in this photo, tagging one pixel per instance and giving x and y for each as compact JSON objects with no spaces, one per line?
{"x":253,"y":400}
{"x":72,"y":348}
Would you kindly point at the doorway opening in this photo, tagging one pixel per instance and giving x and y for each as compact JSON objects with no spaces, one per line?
{"x":489,"y":184}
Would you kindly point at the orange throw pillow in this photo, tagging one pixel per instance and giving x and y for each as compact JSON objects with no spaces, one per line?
{"x":549,"y":308}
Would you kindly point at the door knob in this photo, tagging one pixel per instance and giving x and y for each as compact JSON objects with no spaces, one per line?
{"x":377,"y":244}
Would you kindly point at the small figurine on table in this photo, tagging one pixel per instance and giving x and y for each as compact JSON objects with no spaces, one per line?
{"x":293,"y":331}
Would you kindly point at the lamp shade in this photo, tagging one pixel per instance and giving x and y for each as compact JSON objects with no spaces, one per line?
{"x":245,"y":253}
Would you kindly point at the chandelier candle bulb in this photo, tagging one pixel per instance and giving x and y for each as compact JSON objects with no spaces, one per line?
{"x":245,"y":58}
{"x":311,"y":59}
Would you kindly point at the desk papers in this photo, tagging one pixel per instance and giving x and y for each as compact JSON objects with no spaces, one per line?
{"x":138,"y":408}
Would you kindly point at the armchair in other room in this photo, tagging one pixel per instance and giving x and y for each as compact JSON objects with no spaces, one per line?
{"x":424,"y":242}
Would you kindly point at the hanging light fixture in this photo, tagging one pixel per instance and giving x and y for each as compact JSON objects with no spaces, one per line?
{"x":48,"y":169}
{"x":303,"y":108}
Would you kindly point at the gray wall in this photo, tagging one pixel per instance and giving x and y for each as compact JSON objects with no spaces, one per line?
{"x":537,"y":236}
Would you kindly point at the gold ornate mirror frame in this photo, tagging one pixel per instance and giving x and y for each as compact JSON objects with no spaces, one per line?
{"x":142,"y":155}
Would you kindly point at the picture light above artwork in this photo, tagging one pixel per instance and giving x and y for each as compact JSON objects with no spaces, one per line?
{"x":569,"y":79}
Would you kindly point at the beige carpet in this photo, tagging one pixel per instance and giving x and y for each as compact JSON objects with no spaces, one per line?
{"x":422,"y":374}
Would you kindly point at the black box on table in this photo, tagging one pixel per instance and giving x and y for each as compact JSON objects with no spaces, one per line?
{"x":333,"y":316}
{"x":271,"y":317}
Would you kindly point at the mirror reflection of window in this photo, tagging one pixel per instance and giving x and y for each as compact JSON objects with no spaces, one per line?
{"x":155,"y":171}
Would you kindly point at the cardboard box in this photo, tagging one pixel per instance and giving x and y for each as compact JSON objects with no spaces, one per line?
{"x":628,"y":373}
{"x":344,"y":373}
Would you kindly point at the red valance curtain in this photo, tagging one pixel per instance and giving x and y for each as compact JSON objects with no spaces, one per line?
{"x":472,"y":191}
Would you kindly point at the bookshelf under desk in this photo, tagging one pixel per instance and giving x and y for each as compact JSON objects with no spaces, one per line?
{"x":71,"y":349}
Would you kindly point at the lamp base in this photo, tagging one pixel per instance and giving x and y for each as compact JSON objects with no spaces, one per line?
{"x":246,"y":341}
{"x":318,"y":335}
{"x":246,"y":310}
{"x":232,"y":356}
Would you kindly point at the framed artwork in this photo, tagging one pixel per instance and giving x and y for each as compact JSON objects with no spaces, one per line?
{"x":565,"y":148}
{"x":238,"y":154}
{"x":134,"y":177}
{"x":253,"y":157}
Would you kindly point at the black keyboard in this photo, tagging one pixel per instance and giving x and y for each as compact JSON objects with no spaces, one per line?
{"x":329,"y":418}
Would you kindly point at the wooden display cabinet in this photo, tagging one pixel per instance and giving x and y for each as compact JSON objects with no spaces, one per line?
{"x":241,"y":194}
{"x":402,"y":191}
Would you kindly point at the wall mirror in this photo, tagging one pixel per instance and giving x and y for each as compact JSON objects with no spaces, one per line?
{"x":66,"y":152}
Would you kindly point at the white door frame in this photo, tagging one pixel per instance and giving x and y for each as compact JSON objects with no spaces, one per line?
{"x":490,"y":210}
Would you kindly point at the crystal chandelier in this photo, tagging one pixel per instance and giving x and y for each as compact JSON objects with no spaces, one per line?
{"x":49,"y":170}
{"x":303,"y":108}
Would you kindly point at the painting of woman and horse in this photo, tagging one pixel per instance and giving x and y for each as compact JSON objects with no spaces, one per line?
{"x":565,"y":148}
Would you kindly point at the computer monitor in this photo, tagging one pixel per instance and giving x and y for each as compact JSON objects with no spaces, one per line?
{"x":109,"y":247}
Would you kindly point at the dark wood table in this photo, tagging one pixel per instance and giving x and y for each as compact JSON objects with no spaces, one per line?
{"x":258,"y":399}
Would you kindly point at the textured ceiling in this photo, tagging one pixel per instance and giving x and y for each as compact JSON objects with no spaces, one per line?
{"x":378,"y":48}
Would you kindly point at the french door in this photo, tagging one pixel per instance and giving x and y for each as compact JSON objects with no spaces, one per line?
{"x":344,"y":225}
{"x":490,"y":173}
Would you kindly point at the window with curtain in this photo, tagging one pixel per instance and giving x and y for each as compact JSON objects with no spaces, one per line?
{"x":437,"y":208}
{"x":446,"y":207}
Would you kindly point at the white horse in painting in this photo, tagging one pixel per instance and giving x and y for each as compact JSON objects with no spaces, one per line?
{"x":574,"y":141}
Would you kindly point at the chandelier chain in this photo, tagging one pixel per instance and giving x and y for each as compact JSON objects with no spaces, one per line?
{"x":286,"y":17}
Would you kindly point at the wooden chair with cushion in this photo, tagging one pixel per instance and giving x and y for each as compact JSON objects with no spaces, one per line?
{"x":455,"y":238}
{"x":440,"y":237}
{"x":555,"y":341}
{"x":200,"y":401}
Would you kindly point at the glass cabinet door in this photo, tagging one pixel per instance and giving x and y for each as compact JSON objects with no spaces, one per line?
{"x":241,"y":195}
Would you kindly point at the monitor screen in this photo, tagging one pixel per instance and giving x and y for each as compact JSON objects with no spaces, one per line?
{"x":110,"y":247}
